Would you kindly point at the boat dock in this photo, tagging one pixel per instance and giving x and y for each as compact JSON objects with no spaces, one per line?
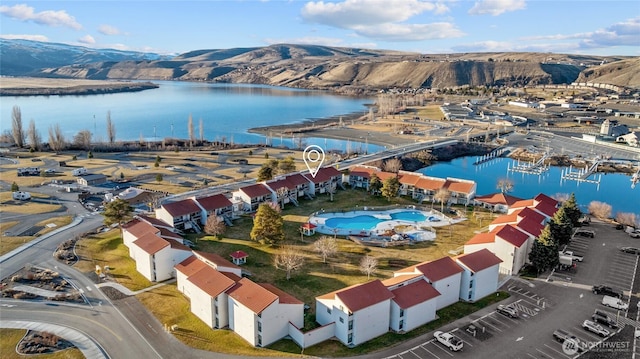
{"x":582,"y":175}
{"x":491,"y":155}
{"x":535,"y":168}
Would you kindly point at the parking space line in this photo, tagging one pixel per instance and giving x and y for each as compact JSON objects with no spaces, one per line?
{"x":418,"y":356}
{"x":533,"y":356}
{"x":544,"y":355}
{"x":505,"y":317}
{"x":561,"y":353}
{"x":458,"y":332}
{"x":439,"y":346}
{"x":420,"y":352}
{"x":592,"y":337}
{"x":429,"y":351}
{"x":466,"y":334}
{"x":492,"y":326}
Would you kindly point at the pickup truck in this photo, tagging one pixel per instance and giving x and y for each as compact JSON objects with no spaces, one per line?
{"x":572,"y":255}
{"x":449,"y":340}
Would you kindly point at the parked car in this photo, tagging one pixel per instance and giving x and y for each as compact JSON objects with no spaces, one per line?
{"x":573,"y":256}
{"x":507,"y":310}
{"x":449,"y":340}
{"x":602,"y":317}
{"x":562,"y":336}
{"x":603,"y":289}
{"x":595,"y":328}
{"x":632,"y":250}
{"x":637,"y":334}
{"x":614,"y":302}
{"x":635,"y":234}
{"x":585,"y":233}
{"x":619,"y":226}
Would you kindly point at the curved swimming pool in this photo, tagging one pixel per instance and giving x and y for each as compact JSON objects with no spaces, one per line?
{"x":359,"y":221}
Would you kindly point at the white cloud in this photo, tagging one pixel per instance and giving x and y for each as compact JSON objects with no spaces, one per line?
{"x":109,"y":30}
{"x":381,"y":19}
{"x":496,"y":7}
{"x":52,"y":18}
{"x":87,"y":40}
{"x":41,"y":38}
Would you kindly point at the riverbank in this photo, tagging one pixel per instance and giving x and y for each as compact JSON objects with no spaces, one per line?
{"x":16,"y":86}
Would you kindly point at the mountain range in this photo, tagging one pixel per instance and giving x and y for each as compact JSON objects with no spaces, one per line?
{"x":317,"y":67}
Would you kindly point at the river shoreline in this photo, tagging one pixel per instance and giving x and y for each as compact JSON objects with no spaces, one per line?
{"x":78,"y":90}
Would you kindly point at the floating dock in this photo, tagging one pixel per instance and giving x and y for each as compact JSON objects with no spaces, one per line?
{"x":582,"y":175}
{"x":534,"y":168}
{"x":490,"y":156}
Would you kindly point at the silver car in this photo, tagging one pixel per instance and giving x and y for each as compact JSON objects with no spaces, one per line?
{"x":595,"y":328}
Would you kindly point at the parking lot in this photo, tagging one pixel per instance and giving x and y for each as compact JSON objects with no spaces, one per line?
{"x":558,"y":300}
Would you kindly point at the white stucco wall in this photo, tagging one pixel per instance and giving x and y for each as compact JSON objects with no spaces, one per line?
{"x":243,"y":321}
{"x":162,"y":214}
{"x":370,"y":322}
{"x":449,"y":289}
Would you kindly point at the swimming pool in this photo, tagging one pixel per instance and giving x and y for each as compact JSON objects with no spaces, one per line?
{"x":370,"y":222}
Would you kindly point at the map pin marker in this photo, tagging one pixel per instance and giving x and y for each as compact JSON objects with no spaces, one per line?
{"x":313,"y":157}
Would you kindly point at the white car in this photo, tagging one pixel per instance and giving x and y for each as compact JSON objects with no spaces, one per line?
{"x":637,"y":335}
{"x":614,"y":302}
{"x":595,"y":328}
{"x":449,"y":340}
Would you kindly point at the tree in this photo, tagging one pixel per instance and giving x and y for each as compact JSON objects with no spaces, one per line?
{"x":35,"y":140}
{"x":544,"y":252}
{"x":393,"y":165}
{"x":505,"y":185}
{"x":121,"y":175}
{"x":192,"y":135}
{"x":286,"y":165}
{"x":159,"y":177}
{"x":571,"y":208}
{"x":289,"y":259}
{"x":368,"y":265}
{"x":375,"y":185}
{"x":111,"y":129}
{"x":201,"y":130}
{"x":268,"y":226}
{"x":561,"y":227}
{"x":214,"y":226}
{"x":628,"y":219}
{"x":600,"y":209}
{"x":282,"y":193}
{"x":15,"y":187}
{"x":390,"y":187}
{"x":265,"y":173}
{"x":16,"y":126}
{"x":326,"y":246}
{"x":56,"y":138}
{"x":442,"y":196}
{"x":82,"y":139}
{"x":117,"y":211}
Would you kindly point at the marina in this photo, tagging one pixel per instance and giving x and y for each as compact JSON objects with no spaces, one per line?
{"x":536,"y":168}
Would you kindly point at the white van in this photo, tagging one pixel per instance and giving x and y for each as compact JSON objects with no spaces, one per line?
{"x":614,"y":302}
{"x":21,"y":196}
{"x":79,"y":171}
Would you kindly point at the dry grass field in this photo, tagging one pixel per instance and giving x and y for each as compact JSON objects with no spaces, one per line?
{"x":10,"y":242}
{"x":9,"y":338}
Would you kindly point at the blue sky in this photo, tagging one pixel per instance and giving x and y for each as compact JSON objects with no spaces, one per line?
{"x":168,"y":26}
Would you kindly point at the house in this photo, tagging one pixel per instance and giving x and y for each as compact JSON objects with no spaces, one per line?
{"x":326,"y":180}
{"x":239,"y":257}
{"x":497,"y":202}
{"x":92,"y":179}
{"x":408,"y":181}
{"x":308,"y":229}
{"x":217,"y":205}
{"x":480,"y":274}
{"x":413,"y":303}
{"x":541,"y":203}
{"x":260,"y":313}
{"x":359,"y":176}
{"x":289,"y":188}
{"x":253,"y":195}
{"x":512,"y":246}
{"x":427,"y":187}
{"x":461,"y":191}
{"x":182,"y":215}
{"x":360,"y":312}
{"x":443,"y":274}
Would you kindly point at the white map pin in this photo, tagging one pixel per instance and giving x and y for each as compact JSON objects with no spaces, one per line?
{"x":313,"y":157}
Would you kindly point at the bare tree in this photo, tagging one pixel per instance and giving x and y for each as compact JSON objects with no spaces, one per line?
{"x":505,"y":185}
{"x":214,"y":226}
{"x":16,"y":126}
{"x":82,"y":139}
{"x":35,"y":140}
{"x":628,"y":219}
{"x":561,"y":197}
{"x":57,"y":141}
{"x":368,"y":265}
{"x":192,"y":136}
{"x":289,"y":259}
{"x":111,"y":129}
{"x":600,"y":209}
{"x":392,"y":165}
{"x":326,"y":246}
{"x":201,"y":129}
{"x":442,"y":196}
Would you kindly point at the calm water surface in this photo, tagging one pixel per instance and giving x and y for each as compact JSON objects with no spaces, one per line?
{"x":614,"y":189}
{"x":227,"y":112}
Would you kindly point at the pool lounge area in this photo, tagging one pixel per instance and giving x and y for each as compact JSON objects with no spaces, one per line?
{"x":415,"y":223}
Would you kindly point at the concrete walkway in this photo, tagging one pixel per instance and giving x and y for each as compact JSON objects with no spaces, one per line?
{"x":88,"y":347}
{"x":128,"y":291}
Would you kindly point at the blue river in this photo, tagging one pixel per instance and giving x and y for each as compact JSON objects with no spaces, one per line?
{"x":614,"y":188}
{"x":226,"y":110}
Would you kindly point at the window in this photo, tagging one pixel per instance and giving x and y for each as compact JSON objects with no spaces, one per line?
{"x":350,"y":338}
{"x":401,"y":326}
{"x":401,"y":313}
{"x":329,"y":310}
{"x":217,"y":323}
{"x":259,"y":339}
{"x":351,"y":324}
{"x":470,"y":293}
{"x":259,"y":326}
{"x":341,"y":320}
{"x":471,"y":284}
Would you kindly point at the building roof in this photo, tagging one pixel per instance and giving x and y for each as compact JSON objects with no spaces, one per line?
{"x":297,"y":179}
{"x":439,"y":269}
{"x":156,"y":222}
{"x":256,"y":190}
{"x":167,"y":234}
{"x":252,"y":295}
{"x":409,"y":179}
{"x":454,"y":185}
{"x":479,"y":260}
{"x":414,"y":293}
{"x":481,"y":238}
{"x":390,"y":282}
{"x":324,"y":174}
{"x":308,"y":225}
{"x":190,"y":266}
{"x":239,"y":255}
{"x":211,"y":281}
{"x":214,"y":202}
{"x":506,"y":218}
{"x":541,"y":197}
{"x":362,"y":171}
{"x":531,"y":226}
{"x":511,"y":235}
{"x":276,"y":184}
{"x":177,"y":245}
{"x":214,"y":260}
{"x":151,"y":243}
{"x":139,"y":227}
{"x":546,"y":208}
{"x":529,"y":213}
{"x":360,"y":296}
{"x":430,"y":183}
{"x":284,"y":297}
{"x":498,"y":198}
{"x":180,"y":208}
{"x":523,"y":203}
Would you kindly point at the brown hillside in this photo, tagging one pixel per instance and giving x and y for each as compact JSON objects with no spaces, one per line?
{"x":621,"y":73}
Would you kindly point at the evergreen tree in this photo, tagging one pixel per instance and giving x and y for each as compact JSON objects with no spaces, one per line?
{"x":268,"y":226}
{"x":544,"y":253}
{"x":286,"y":165}
{"x":390,"y":187}
{"x":265,"y":173}
{"x":571,"y":208}
{"x":117,"y":211}
{"x":15,"y":187}
{"x":375,"y":184}
{"x":561,"y":227}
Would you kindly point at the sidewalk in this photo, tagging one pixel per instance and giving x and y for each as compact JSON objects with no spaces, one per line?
{"x":88,"y":347}
{"x":128,"y":291}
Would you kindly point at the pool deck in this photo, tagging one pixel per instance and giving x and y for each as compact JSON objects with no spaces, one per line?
{"x":387,"y":224}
